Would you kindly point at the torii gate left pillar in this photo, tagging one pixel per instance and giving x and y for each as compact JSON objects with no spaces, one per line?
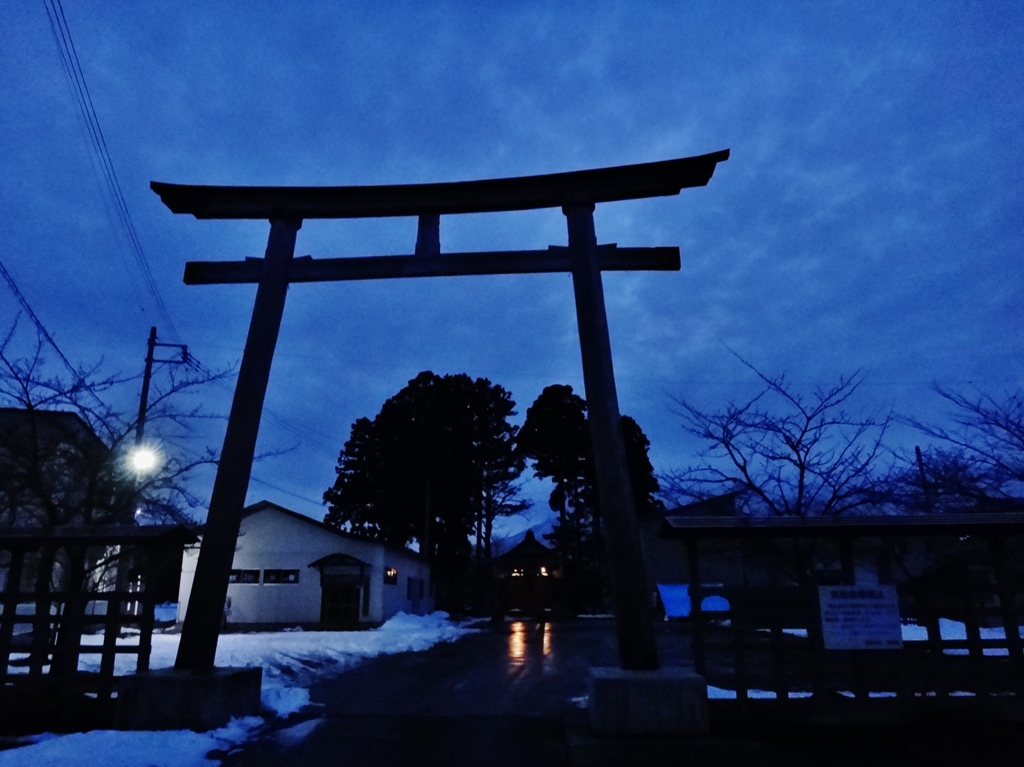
{"x":220,"y":533}
{"x":576,"y":193}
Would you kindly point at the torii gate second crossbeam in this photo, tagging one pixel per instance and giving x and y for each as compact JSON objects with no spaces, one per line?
{"x":576,"y":193}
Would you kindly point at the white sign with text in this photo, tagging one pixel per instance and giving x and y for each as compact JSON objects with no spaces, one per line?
{"x":860,"y":617}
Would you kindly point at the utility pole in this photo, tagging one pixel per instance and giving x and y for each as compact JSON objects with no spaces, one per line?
{"x":147,"y":376}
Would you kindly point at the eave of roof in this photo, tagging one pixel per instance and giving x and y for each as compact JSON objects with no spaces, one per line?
{"x":339,"y":558}
{"x":100,"y":535}
{"x":71,"y":424}
{"x":809,"y":527}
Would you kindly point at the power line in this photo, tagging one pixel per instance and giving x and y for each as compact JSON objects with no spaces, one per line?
{"x":36,"y":321}
{"x":259,"y":481}
{"x":307,"y":435}
{"x":80,"y":90}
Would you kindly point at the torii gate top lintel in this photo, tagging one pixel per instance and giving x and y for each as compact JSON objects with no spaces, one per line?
{"x":554,"y":190}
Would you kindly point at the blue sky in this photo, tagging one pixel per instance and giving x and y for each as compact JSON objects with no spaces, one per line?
{"x":869,"y":217}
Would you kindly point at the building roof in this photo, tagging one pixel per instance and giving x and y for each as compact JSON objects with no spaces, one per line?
{"x":55,"y":470}
{"x":864,"y":525}
{"x":718,"y":506}
{"x":50,"y":428}
{"x":269,"y":505}
{"x":528,"y":550}
{"x":106,"y":535}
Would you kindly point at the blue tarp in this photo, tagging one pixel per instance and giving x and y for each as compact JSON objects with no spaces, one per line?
{"x":675,"y":597}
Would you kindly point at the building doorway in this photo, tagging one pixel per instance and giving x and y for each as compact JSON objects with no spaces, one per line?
{"x":339,"y":604}
{"x":344,"y":590}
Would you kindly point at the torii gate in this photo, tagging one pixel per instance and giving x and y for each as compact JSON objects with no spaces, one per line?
{"x":575,"y":193}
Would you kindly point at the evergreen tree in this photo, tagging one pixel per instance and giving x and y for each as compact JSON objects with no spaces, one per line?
{"x":556,"y":436}
{"x":436,"y":465}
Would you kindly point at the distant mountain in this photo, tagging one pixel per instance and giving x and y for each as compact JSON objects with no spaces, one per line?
{"x":500,"y":545}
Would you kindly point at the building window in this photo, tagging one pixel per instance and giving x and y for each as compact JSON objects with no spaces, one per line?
{"x":244,"y":576}
{"x":391,"y":576}
{"x":366,"y":598}
{"x":280,"y":576}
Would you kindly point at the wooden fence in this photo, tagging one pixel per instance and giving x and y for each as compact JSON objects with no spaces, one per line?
{"x":960,"y":587}
{"x":65,"y":583}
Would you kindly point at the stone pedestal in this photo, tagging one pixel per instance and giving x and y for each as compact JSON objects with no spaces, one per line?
{"x":669,"y":701}
{"x":171,"y":699}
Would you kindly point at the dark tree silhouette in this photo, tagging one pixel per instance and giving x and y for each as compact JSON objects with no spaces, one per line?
{"x":641,"y":473}
{"x":793,"y":455}
{"x":436,"y":465}
{"x":556,"y":437}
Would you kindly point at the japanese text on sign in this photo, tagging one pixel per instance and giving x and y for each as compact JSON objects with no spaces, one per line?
{"x":860,"y":617}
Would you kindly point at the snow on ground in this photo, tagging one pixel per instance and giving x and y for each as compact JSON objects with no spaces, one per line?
{"x":103,"y":748}
{"x":956,"y":630}
{"x":291,"y":661}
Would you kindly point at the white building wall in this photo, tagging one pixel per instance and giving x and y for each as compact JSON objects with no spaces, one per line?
{"x":396,"y":596}
{"x":273,"y":539}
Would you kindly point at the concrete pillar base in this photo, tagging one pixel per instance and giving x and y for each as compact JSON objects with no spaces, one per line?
{"x":169,"y":699}
{"x":669,"y":701}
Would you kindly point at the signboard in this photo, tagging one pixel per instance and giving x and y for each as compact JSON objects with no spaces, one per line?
{"x":860,"y":617}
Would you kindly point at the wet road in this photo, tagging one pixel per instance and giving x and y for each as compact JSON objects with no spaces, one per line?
{"x":498,"y":697}
{"x":505,"y":697}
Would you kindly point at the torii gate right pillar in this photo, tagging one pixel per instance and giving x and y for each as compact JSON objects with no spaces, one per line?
{"x":632,"y":601}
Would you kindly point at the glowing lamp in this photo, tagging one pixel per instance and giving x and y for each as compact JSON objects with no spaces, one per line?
{"x":143,"y":460}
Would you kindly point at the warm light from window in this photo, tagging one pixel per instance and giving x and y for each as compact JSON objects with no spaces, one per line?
{"x":517,"y":571}
{"x":391,"y":576}
{"x":543,"y":571}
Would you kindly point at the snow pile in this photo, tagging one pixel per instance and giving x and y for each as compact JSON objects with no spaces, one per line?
{"x":102,"y":748}
{"x":291,"y":661}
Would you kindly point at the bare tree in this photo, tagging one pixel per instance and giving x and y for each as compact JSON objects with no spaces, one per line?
{"x":979,"y":460}
{"x":65,"y":451}
{"x":791,"y":454}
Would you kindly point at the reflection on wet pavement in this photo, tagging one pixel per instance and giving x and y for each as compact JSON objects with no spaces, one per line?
{"x":523,"y":637}
{"x":517,"y":643}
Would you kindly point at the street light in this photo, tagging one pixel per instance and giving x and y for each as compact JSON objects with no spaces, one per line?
{"x":140,"y":462}
{"x":143,"y":460}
